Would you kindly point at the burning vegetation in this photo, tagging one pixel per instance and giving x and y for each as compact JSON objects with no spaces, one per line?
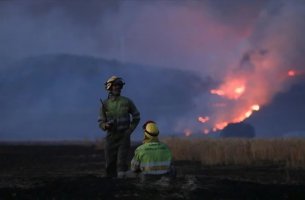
{"x":240,"y":95}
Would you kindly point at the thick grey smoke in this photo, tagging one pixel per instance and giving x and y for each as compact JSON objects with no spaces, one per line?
{"x":218,"y":40}
{"x":195,"y":35}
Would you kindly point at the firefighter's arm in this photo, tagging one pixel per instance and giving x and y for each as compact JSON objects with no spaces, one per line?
{"x":135,"y":163}
{"x":135,"y":117}
{"x":102,"y":119}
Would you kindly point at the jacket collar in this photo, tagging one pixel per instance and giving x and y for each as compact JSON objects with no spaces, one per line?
{"x":149,"y":140}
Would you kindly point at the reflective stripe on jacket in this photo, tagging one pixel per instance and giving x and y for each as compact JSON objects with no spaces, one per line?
{"x":152,"y":158}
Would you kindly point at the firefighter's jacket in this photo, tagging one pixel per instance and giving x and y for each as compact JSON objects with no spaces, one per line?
{"x":118,"y":111}
{"x":152,"y":158}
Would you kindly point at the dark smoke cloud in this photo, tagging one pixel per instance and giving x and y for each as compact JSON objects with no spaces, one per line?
{"x":167,"y":33}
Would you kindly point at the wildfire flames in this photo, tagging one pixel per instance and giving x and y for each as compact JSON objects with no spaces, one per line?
{"x":291,"y":73}
{"x":233,"y":90}
{"x":203,"y":119}
{"x":236,"y":90}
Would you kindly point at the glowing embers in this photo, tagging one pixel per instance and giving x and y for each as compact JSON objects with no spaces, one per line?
{"x":232,"y":89}
{"x":246,"y":113}
{"x":220,"y":126}
{"x":237,"y":102}
{"x":203,"y":119}
{"x":255,"y":107}
{"x":239,"y":90}
{"x":291,"y":73}
{"x":218,"y":92}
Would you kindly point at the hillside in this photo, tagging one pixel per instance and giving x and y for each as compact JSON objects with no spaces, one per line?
{"x":57,"y":96}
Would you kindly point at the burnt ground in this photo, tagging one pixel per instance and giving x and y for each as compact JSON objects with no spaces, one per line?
{"x":77,"y":172}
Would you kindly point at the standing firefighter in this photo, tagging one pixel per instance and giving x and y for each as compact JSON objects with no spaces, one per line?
{"x":119,"y":117}
{"x":153,"y":159}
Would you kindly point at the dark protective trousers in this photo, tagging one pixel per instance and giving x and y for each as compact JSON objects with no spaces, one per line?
{"x":117,"y":147}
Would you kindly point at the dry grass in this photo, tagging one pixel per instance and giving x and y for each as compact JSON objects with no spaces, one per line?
{"x":284,"y":152}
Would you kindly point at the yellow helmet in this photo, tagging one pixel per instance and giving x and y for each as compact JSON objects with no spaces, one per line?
{"x":150,"y":129}
{"x":112,"y":80}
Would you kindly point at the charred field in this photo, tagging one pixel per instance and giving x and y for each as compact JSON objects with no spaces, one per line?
{"x":76,"y":171}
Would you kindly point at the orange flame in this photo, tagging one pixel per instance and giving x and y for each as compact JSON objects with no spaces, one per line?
{"x":220,"y":126}
{"x":255,"y":107}
{"x":247,"y":91}
{"x":291,"y":73}
{"x":203,"y":119}
{"x":239,"y":90}
{"x":232,"y":89}
{"x":248,"y":113}
{"x":239,"y":118}
{"x":218,"y":92}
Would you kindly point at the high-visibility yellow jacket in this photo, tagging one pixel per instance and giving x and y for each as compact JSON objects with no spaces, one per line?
{"x":152,"y":158}
{"x":119,"y":110}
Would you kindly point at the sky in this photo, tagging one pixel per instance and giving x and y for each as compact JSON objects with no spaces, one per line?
{"x":242,"y":52}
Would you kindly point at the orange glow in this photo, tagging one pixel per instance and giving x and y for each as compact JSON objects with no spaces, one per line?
{"x":239,"y":90}
{"x":249,"y":113}
{"x":242,"y":92}
{"x":255,"y":107}
{"x":218,"y":92}
{"x":239,"y":118}
{"x":246,"y":114}
{"x":221,"y":125}
{"x":203,"y":119}
{"x":291,"y":73}
{"x":232,"y":89}
{"x":187,"y":132}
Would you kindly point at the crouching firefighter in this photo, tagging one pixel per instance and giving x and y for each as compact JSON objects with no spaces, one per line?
{"x":153,"y":159}
{"x":118,"y":117}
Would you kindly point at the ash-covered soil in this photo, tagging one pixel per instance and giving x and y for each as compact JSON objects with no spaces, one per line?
{"x":77,"y":172}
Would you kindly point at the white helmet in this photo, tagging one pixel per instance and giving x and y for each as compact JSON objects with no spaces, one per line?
{"x":114,"y":80}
